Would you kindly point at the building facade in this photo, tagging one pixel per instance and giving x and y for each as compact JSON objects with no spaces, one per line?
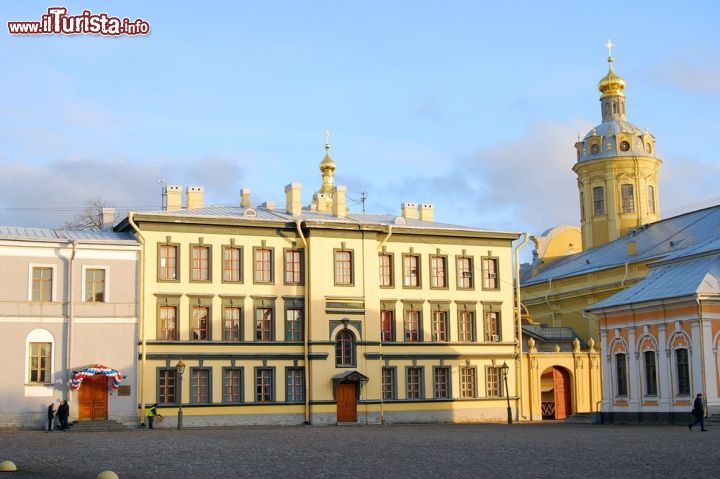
{"x":68,"y":314}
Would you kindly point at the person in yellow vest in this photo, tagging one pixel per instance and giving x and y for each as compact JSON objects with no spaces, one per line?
{"x":152,"y":412}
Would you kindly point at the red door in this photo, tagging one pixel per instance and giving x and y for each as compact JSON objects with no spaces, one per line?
{"x":561,"y":386}
{"x":346,"y":402}
{"x":92,"y":404}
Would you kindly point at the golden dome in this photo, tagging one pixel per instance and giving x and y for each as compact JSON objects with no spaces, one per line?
{"x":327,"y":163}
{"x":612,"y":83}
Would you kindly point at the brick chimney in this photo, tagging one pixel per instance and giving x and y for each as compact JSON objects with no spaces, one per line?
{"x":194,"y":197}
{"x":108,"y":218}
{"x":245,"y":197}
{"x":339,"y":208}
{"x":409,"y":210}
{"x":293,"y":203}
{"x":268,"y":205}
{"x":427,"y":212}
{"x":173,"y":197}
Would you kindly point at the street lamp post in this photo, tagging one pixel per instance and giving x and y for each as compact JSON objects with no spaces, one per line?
{"x":180,"y":368}
{"x":505,"y":368}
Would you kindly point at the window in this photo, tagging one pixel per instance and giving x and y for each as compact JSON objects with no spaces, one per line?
{"x":231,"y":318}
{"x":492,"y":326}
{"x":628,"y":198}
{"x":264,"y":387}
{"x":651,"y":199}
{"x":468,"y":387}
{"x":232,"y":385}
{"x":599,"y":201}
{"x":464,"y":273}
{"x":490,"y":273}
{"x":167,"y":267}
{"x":650,"y":373}
{"x":293,"y":266}
{"x":441,"y":383}
{"x":343,"y":267}
{"x":412,"y":326}
{"x":94,"y":286}
{"x":389,"y":391}
{"x":466,"y":326}
{"x":385,"y":264}
{"x":168,"y":323}
{"x":294,"y":325}
{"x":199,"y":385}
{"x":621,"y":374}
{"x":264,"y":324}
{"x":494,"y":384}
{"x":387,"y":325}
{"x":39,"y":364}
{"x":411,"y":271}
{"x":295,"y":384}
{"x":200,"y":263}
{"x":345,"y":349}
{"x":595,"y":149}
{"x":683,"y":372}
{"x":624,"y":145}
{"x":200,"y":323}
{"x":42,"y":284}
{"x":438,"y":272}
{"x":166,"y":386}
{"x":263,"y":265}
{"x":232,"y":264}
{"x":414,"y":383}
{"x":440,"y":326}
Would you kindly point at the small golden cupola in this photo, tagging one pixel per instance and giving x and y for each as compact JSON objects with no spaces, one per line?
{"x":322,"y":200}
{"x":611,"y":86}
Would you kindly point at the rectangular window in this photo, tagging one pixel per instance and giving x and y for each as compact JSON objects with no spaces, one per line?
{"x":440,"y":326}
{"x":493,"y":386}
{"x":414,"y":383}
{"x":599,"y":200}
{"x":199,"y":385}
{"x":441,"y":383}
{"x":468,"y":388}
{"x":411,"y":271}
{"x":200,"y":263}
{"x":232,"y":264}
{"x":650,"y":373}
{"x":200,"y":330}
{"x":628,"y":198}
{"x":166,"y":386}
{"x":343,"y":267}
{"x":264,"y":387}
{"x":232,"y":385}
{"x":438,"y":272}
{"x":412,"y":326}
{"x":293,"y":266}
{"x":167,"y":266}
{"x":388,"y":383}
{"x":231,"y":318}
{"x":490,"y":273}
{"x":651,"y":199}
{"x":168,"y":323}
{"x":94,"y":286}
{"x":466,"y":326}
{"x":621,"y":371}
{"x":683,"y":372}
{"x":294,"y":324}
{"x":386,"y":270}
{"x":295,"y":384}
{"x":263,"y":265}
{"x":464,"y":273}
{"x":263,"y":324}
{"x":492,"y":326}
{"x":387,"y":325}
{"x":42,"y":278}
{"x":40,"y":360}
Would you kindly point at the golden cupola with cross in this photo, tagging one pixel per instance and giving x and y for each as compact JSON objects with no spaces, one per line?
{"x":617,"y":169}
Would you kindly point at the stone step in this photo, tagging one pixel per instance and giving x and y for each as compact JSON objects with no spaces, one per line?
{"x":583,"y":418}
{"x":97,"y":426}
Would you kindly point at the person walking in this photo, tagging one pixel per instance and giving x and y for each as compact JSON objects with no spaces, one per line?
{"x":63,"y":413}
{"x":698,"y":411}
{"x":51,"y":416}
{"x":152,"y":412}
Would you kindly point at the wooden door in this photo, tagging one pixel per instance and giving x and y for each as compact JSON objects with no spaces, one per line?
{"x":92,"y":403}
{"x":346,"y":402}
{"x":561,"y":385}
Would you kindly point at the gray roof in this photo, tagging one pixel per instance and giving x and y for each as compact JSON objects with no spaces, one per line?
{"x":678,"y":236}
{"x":608,"y":130}
{"x":54,"y":235}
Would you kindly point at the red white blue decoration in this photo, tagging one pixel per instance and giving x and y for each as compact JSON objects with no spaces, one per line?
{"x":96,"y":370}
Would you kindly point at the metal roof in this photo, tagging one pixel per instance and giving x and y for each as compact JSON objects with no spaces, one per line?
{"x":49,"y":234}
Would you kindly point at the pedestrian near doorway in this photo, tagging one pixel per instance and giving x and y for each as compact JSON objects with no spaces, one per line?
{"x":152,"y":412}
{"x":698,"y":411}
{"x":50,"y":416}
{"x":63,"y":413}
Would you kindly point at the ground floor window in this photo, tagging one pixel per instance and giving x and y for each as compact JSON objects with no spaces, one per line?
{"x":295,"y":384}
{"x":683,"y":371}
{"x":264,"y":387}
{"x":621,"y":374}
{"x":441,"y":383}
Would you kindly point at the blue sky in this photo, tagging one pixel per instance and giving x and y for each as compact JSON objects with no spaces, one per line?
{"x":472,"y":106}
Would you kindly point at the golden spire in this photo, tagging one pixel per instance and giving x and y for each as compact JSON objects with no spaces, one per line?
{"x":327,"y":167}
{"x":612,"y":83}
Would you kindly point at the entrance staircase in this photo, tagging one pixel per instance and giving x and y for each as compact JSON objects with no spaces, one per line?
{"x":583,"y":418}
{"x":97,"y":426}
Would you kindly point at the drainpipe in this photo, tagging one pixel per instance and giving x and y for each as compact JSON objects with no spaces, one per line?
{"x":141,"y":302}
{"x":622,"y":283}
{"x":552,"y":312}
{"x":364,"y":276}
{"x":71,"y":316}
{"x":306,"y":324}
{"x":702,"y":352}
{"x":518,"y":337}
{"x":382,"y":400}
{"x":387,"y":237}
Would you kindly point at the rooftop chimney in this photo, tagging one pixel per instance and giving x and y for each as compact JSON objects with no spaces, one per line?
{"x":409,"y":211}
{"x":339,"y":209}
{"x":245,"y":197}
{"x":194,"y":197}
{"x":108,"y":218}
{"x":293,"y":203}
{"x":268,"y":205}
{"x":427,"y":212}
{"x":632,"y":248}
{"x":173,"y":197}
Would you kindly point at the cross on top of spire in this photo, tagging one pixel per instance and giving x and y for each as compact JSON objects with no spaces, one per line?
{"x":609,"y":46}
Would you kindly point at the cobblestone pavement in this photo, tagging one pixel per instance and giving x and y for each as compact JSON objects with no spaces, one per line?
{"x":521,"y":450}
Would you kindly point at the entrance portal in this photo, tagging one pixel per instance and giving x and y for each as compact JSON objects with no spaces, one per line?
{"x":93,"y":399}
{"x":346,"y":402}
{"x":556,"y":393}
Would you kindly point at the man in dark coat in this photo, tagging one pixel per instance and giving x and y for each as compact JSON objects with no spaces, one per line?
{"x":63,"y":414}
{"x":51,"y":416}
{"x":699,"y":412}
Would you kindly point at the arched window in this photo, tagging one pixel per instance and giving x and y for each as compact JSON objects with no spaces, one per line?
{"x":682,"y":366}
{"x":651,"y":198}
{"x":621,"y":374}
{"x":628,"y":198}
{"x":345,"y":349}
{"x":582,"y":206}
{"x":649,"y":359}
{"x":39,"y":365}
{"x":599,"y":200}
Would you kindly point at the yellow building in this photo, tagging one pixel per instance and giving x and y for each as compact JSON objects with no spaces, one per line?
{"x":291,"y":315}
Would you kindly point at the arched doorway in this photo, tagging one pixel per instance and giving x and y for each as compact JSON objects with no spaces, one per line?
{"x":556,"y":393}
